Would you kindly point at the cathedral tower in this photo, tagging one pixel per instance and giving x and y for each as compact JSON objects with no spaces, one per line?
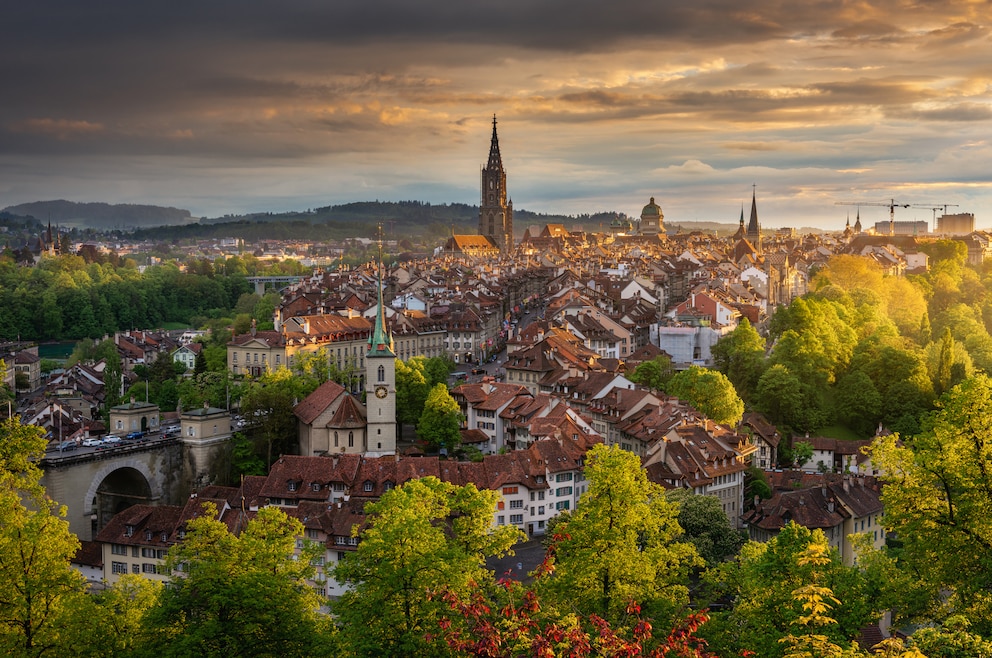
{"x":380,"y":382}
{"x":496,"y":212}
{"x":753,"y":228}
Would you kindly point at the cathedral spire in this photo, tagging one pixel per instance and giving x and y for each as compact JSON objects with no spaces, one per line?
{"x":753,"y":228}
{"x":495,"y":161}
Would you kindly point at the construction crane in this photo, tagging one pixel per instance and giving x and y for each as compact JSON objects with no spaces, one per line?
{"x":943,"y":208}
{"x":891,"y":205}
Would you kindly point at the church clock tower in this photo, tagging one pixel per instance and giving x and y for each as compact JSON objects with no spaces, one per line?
{"x":380,"y":383}
{"x":495,"y":211}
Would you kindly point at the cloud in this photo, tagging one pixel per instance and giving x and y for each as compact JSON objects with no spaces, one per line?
{"x":57,"y":128}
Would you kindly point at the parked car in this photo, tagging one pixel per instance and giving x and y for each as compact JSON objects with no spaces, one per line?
{"x":111,"y":439}
{"x":131,"y":436}
{"x":67,"y":445}
{"x":92,"y":443}
{"x":478,"y":371}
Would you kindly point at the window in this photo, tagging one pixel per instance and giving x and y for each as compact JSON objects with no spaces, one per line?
{"x":368,"y":485}
{"x":540,"y":495}
{"x":500,"y":520}
{"x":561,"y":504}
{"x":564,"y":491}
{"x":135,"y":552}
{"x":118,"y":549}
{"x":118,"y":567}
{"x":312,"y":533}
{"x":532,"y":495}
{"x":540,"y":510}
{"x":147,"y":567}
{"x":563,"y":477}
{"x":291,"y":486}
{"x":352,"y":541}
{"x":335,"y":439}
{"x":340,"y":541}
{"x":148,"y":552}
{"x":128,"y":531}
{"x":382,"y":374}
{"x":351,"y":439}
{"x":516,"y":518}
{"x":339,"y":486}
{"x":516,"y":504}
{"x":315,"y":486}
{"x":135,"y":568}
{"x":509,"y":490}
{"x":340,"y":555}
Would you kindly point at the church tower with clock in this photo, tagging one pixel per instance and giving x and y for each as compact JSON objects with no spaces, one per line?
{"x":496,"y":211}
{"x":380,"y":384}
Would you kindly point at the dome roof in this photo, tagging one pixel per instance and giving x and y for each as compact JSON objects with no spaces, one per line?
{"x":651,"y":210}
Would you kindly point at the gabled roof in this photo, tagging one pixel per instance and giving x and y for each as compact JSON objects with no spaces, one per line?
{"x":317,"y":402}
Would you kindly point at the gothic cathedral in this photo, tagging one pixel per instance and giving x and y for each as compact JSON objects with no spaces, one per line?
{"x":496,"y":212}
{"x":380,"y":385}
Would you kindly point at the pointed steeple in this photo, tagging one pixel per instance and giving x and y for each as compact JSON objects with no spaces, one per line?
{"x":742,"y":215}
{"x":753,"y":228}
{"x":495,"y":161}
{"x":380,"y":340}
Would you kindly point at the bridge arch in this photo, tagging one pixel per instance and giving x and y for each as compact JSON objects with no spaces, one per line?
{"x":118,"y":485}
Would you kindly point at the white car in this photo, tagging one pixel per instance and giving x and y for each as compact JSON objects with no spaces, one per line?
{"x":92,"y":443}
{"x":111,"y":439}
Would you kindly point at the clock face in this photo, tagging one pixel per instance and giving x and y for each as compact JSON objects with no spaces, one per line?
{"x":381,"y":392}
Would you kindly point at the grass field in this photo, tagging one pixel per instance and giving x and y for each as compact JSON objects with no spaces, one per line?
{"x":839,"y":432}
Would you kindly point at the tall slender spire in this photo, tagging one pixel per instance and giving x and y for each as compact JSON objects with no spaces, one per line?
{"x":495,"y":161}
{"x":380,"y":340}
{"x":753,"y":228}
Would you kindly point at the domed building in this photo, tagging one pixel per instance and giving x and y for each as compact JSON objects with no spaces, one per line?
{"x":652,"y":219}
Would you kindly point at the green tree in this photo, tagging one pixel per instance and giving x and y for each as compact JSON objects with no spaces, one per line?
{"x":441,"y":419}
{"x":200,"y":363}
{"x":622,"y":543}
{"x":858,"y":404}
{"x":270,"y":401}
{"x":769,"y":584}
{"x":240,"y":595}
{"x":740,"y":355}
{"x":112,"y":622}
{"x":422,"y":536}
{"x":653,"y":374}
{"x":710,"y":392}
{"x":437,"y":369}
{"x":802,"y":452}
{"x":411,"y":391}
{"x":38,"y":587}
{"x":706,"y":526}
{"x":938,"y":496}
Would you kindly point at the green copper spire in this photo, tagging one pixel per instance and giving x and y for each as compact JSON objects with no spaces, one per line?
{"x":380,"y":341}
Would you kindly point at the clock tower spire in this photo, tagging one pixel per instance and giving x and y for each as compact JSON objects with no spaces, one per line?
{"x":380,"y":379}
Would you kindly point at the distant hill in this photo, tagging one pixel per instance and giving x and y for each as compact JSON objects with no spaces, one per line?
{"x":101,"y":215}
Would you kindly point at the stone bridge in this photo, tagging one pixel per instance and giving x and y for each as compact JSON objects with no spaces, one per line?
{"x":260,"y":282}
{"x":95,"y":484}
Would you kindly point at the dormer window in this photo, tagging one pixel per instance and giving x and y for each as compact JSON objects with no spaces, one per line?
{"x":165,"y":536}
{"x":388,"y":486}
{"x":129,"y":531}
{"x":315,"y":486}
{"x":148,"y":535}
{"x":291,"y":485}
{"x":368,"y":485}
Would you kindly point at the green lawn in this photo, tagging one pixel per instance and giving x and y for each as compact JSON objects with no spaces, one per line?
{"x":169,"y":326}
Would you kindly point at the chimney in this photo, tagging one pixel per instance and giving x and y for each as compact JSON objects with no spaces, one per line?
{"x":847,"y":482}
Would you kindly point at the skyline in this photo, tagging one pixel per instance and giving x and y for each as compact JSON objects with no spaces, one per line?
{"x":242,"y":107}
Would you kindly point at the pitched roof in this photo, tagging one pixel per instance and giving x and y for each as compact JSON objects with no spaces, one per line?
{"x":317,"y":402}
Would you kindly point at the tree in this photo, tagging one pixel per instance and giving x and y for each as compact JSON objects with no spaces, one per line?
{"x":622,"y":543}
{"x":421,"y":537}
{"x":706,"y":525}
{"x":113,"y":622}
{"x":411,"y":391}
{"x":653,"y":374}
{"x":441,"y":419}
{"x":200,"y":363}
{"x":240,"y":595}
{"x":938,"y":496}
{"x":270,"y":401}
{"x":802,"y":452}
{"x":766,"y":584}
{"x":857,"y":402}
{"x":710,"y":392}
{"x":38,"y":587}
{"x":740,"y":356}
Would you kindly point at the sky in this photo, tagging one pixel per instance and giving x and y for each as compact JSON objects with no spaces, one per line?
{"x":237,"y":106}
